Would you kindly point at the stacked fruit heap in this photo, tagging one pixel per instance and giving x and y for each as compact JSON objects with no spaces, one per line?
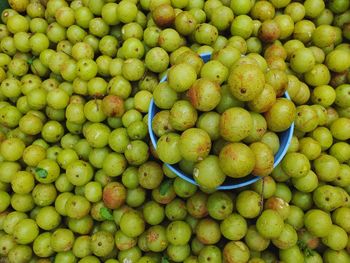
{"x":226,"y":127}
{"x":79,"y":181}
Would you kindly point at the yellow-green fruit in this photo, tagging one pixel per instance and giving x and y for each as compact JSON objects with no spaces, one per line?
{"x":235,"y":124}
{"x":237,"y":160}
{"x":281,"y":115}
{"x":264,"y":159}
{"x":246,"y":81}
{"x":18,"y":5}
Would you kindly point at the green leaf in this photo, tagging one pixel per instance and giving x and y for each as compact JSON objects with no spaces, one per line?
{"x":165,"y":186}
{"x":308,"y":252}
{"x":30,"y":60}
{"x":41,"y":173}
{"x":305,"y":249}
{"x":106,"y":214}
{"x":301,"y":244}
{"x":165,"y":259}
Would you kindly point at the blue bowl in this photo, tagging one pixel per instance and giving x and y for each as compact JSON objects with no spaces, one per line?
{"x":230,"y":183}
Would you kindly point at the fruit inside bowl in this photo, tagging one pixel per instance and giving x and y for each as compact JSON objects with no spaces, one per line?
{"x":223,"y":144}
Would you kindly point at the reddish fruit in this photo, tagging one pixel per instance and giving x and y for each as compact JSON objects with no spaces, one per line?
{"x":279,"y":205}
{"x":114,"y":195}
{"x":164,"y":15}
{"x":269,"y":31}
{"x":307,"y":239}
{"x":113,"y":106}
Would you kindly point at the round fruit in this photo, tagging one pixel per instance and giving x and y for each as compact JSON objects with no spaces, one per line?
{"x":204,"y":94}
{"x":324,"y":223}
{"x":270,"y":224}
{"x":236,"y":251}
{"x":281,"y":115}
{"x":181,"y":77}
{"x":236,"y":160}
{"x":246,"y":82}
{"x":194,"y":144}
{"x":235,"y":124}
{"x":208,"y":173}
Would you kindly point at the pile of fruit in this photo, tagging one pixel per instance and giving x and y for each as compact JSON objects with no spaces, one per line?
{"x":79,"y":178}
{"x":215,"y":148}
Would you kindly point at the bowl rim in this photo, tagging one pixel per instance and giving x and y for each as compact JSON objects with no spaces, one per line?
{"x":179,"y":173}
